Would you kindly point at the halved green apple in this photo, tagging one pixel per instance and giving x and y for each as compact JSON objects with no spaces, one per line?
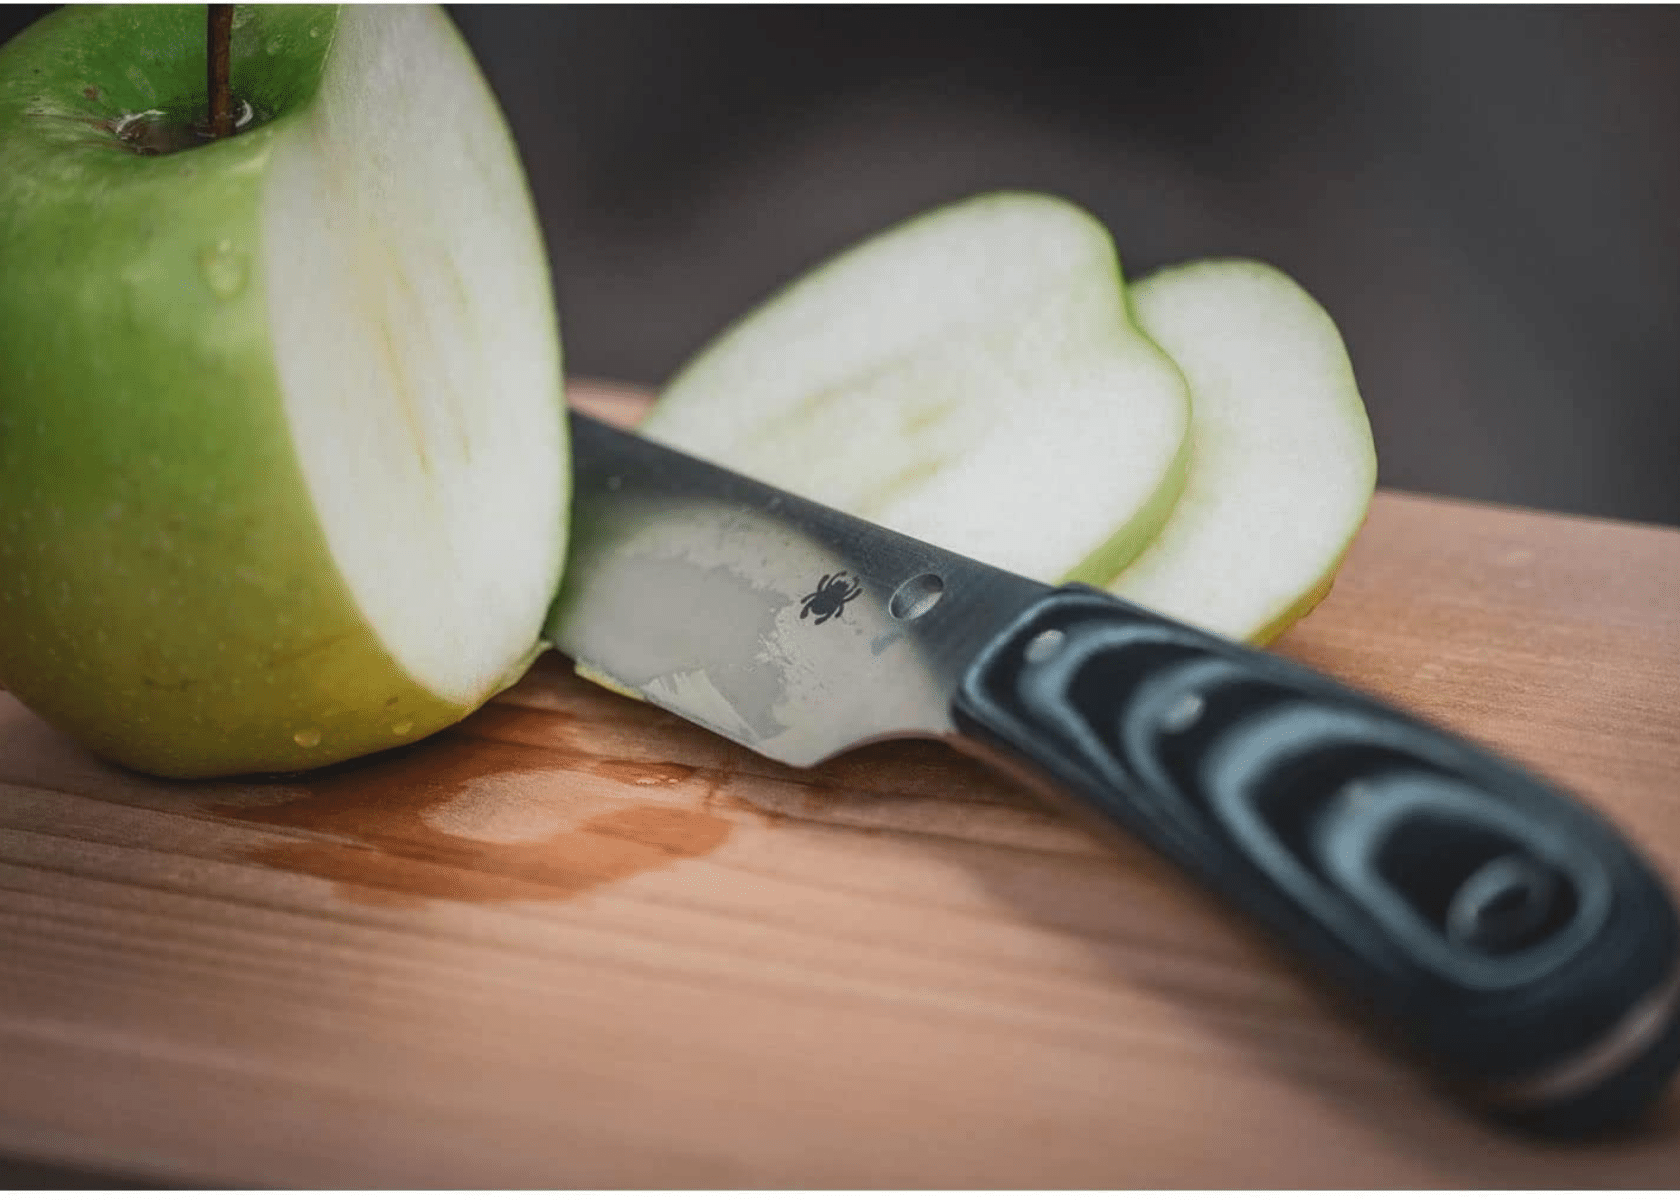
{"x":971,"y":378}
{"x":283,"y":459}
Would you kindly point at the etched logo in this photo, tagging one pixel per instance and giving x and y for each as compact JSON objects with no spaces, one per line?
{"x":832,"y":595}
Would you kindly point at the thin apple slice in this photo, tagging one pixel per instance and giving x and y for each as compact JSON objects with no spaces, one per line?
{"x":283,"y":459}
{"x":971,"y":378}
{"x":1282,"y":466}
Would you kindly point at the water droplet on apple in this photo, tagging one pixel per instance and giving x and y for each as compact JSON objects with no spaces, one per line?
{"x":402,"y":727}
{"x":224,"y":269}
{"x":307,"y":738}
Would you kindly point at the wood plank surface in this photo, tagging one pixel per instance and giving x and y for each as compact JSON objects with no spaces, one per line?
{"x":576,"y":942}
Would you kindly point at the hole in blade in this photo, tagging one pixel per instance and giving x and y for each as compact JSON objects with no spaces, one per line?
{"x":915,"y":597}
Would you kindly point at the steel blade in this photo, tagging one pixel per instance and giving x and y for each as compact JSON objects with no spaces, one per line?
{"x":781,"y":624}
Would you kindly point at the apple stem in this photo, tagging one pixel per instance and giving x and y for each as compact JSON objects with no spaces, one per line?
{"x":219,"y":50}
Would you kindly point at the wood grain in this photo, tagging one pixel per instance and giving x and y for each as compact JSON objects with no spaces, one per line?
{"x":576,"y":942}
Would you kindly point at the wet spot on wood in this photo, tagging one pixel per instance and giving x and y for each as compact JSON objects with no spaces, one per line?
{"x":646,"y":774}
{"x":464,"y":819}
{"x":679,"y":834}
{"x":729,"y":802}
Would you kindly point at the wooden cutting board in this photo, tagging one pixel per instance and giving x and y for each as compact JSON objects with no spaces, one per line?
{"x":576,"y":942}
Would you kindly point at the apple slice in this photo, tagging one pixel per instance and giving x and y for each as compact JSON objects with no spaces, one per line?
{"x":1282,"y":467}
{"x":971,"y":378}
{"x":283,"y":459}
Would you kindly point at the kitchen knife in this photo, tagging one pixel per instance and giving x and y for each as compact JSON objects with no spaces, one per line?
{"x":1496,"y":929}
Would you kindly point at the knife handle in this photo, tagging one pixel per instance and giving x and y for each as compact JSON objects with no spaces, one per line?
{"x":1506,"y":936}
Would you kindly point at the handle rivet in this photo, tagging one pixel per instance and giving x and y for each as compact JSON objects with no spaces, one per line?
{"x":1503,"y":907}
{"x":1043,"y":645}
{"x":1185,"y":712}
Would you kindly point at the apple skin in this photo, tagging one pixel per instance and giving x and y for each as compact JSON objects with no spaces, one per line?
{"x":167,"y":595}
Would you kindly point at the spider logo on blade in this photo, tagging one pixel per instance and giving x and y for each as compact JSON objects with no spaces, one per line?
{"x":833,"y":593}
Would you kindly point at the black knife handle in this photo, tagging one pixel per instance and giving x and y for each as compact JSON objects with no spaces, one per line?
{"x":1492,"y":925}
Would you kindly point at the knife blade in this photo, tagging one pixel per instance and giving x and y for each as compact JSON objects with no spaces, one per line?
{"x":1481,"y":920}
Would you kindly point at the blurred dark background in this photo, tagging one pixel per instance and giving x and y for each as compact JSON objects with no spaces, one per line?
{"x":1487,"y":199}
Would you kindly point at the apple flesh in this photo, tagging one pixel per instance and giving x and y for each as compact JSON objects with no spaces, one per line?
{"x":982,"y":378}
{"x":1282,"y":465}
{"x":971,"y":378}
{"x":283,"y":459}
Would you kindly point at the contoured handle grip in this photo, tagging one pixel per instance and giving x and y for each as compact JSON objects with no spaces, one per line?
{"x":1507,"y":936}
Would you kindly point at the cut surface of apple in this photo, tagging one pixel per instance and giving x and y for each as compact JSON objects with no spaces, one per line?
{"x":976,"y":378}
{"x":283,"y":459}
{"x":971,"y":377}
{"x":1282,"y":464}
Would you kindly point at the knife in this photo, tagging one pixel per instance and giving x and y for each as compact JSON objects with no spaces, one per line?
{"x":1492,"y":928}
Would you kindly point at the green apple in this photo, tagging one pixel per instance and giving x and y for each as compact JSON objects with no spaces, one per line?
{"x":1283,"y":466}
{"x":972,"y":378}
{"x":981,"y":378}
{"x":284,"y":476}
